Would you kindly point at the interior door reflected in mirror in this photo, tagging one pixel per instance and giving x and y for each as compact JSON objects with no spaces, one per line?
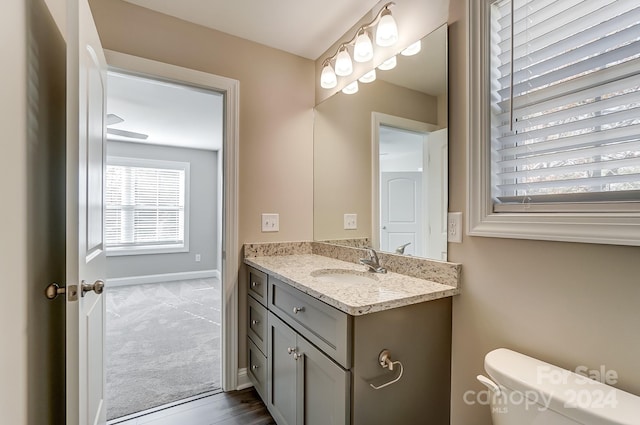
{"x":411,"y":175}
{"x":381,"y":154}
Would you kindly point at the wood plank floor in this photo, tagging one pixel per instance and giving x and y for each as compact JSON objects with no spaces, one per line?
{"x":232,"y":408}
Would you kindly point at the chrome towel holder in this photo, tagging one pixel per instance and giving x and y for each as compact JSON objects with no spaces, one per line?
{"x":384,"y":358}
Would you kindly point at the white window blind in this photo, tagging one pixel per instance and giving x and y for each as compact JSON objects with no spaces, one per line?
{"x":145,"y":204}
{"x":565,"y":106}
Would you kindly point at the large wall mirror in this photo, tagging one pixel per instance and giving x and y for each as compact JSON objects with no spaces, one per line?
{"x":381,"y":154}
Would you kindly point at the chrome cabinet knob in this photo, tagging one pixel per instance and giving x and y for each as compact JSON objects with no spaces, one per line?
{"x":254,"y":322}
{"x":254,"y":367}
{"x":296,"y":356}
{"x":297,"y":309}
{"x":254,"y":283}
{"x":291,"y":350}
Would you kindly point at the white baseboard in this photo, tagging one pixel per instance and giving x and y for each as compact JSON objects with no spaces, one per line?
{"x":166,"y":277}
{"x":243,"y":379}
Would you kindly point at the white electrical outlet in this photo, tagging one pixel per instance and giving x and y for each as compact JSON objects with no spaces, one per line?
{"x":198,"y":258}
{"x":270,"y":222}
{"x":454,"y":227}
{"x":350,"y":221}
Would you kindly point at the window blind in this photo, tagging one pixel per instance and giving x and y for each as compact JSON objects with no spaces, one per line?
{"x":566,"y":102}
{"x":144,"y":206}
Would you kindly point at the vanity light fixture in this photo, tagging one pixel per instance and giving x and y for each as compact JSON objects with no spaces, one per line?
{"x":344,"y":66}
{"x":388,"y":64}
{"x":386,"y":35}
{"x":413,"y":49}
{"x":387,"y":31}
{"x":351,"y":88}
{"x":363,"y":50}
{"x":328,"y":79}
{"x":369,"y":77}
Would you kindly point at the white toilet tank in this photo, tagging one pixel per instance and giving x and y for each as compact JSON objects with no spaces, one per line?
{"x":527,"y":391}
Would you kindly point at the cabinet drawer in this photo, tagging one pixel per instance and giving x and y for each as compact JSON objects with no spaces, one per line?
{"x":257,"y":324}
{"x":257,"y":285}
{"x":257,"y":369}
{"x":326,"y":327}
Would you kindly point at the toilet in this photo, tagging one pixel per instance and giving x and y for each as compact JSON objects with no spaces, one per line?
{"x":527,"y":391}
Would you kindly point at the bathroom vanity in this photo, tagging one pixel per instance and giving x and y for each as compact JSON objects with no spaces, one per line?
{"x":317,"y":327}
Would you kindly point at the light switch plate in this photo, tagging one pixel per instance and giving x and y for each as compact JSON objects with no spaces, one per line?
{"x":454,"y":227}
{"x":350,"y":221}
{"x":270,"y":222}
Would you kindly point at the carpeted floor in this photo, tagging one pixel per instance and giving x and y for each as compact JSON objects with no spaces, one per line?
{"x":162,"y":343}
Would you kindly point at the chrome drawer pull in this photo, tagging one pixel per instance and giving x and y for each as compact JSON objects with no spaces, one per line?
{"x":254,"y":322}
{"x":291,"y":350}
{"x":297,"y":309}
{"x":254,"y":367}
{"x":296,"y":356}
{"x":254,"y":283}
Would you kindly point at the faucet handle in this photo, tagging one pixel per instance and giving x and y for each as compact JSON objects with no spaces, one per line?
{"x":400,"y":249}
{"x":373,"y":255}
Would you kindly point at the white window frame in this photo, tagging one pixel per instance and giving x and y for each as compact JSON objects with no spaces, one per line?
{"x":614,"y":224}
{"x":155,"y":249}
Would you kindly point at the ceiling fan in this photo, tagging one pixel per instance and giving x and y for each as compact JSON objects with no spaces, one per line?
{"x":114,"y":119}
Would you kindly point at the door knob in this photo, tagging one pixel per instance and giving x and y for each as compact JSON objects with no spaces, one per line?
{"x":53,"y":290}
{"x":97,"y":287}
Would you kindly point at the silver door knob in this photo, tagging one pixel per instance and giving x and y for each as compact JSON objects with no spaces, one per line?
{"x":53,"y":290}
{"x":97,"y":287}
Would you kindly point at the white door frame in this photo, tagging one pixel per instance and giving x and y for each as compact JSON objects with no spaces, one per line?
{"x":378,"y":119}
{"x":230,"y":254}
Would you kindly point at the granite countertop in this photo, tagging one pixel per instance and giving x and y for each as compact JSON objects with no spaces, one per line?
{"x":384,"y":292}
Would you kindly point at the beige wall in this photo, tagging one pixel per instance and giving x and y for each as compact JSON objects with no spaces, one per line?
{"x":566,"y":303}
{"x":32,"y":118}
{"x":342,"y":152}
{"x":13,"y":244}
{"x":276,"y":97}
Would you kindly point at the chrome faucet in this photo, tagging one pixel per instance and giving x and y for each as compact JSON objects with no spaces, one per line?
{"x":373,"y":262}
{"x":400,"y":249}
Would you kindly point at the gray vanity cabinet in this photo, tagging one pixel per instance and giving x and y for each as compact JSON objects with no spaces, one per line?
{"x":305,"y":387}
{"x":319,"y":365}
{"x":282,"y":375}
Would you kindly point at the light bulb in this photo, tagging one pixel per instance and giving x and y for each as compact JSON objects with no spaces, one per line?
{"x":344,"y":66}
{"x":351,"y":88}
{"x":363,"y":50}
{"x":387,"y":32}
{"x":412,"y":50}
{"x":369,"y":77}
{"x":388,"y":64}
{"x":328,"y":79}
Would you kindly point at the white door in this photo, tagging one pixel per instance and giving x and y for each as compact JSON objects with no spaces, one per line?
{"x":401,"y":211}
{"x":86,"y":260}
{"x":436,"y":194}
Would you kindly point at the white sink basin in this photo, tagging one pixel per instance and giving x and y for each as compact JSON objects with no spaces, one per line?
{"x":344,"y":276}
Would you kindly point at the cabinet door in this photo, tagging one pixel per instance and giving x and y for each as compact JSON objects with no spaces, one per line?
{"x":281,"y":381}
{"x":325,"y":395}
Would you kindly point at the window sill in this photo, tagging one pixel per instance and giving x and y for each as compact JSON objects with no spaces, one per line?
{"x":611,"y":229}
{"x":147,"y":250}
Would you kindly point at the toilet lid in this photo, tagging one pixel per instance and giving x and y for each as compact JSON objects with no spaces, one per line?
{"x":575,"y":396}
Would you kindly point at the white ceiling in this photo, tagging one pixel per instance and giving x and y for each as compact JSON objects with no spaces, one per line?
{"x":170,"y":114}
{"x":305,"y":28}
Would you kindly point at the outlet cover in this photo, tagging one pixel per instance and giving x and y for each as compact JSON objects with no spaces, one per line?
{"x":454,"y":227}
{"x":271,"y":222}
{"x":350,"y":221}
{"x":198,"y":258}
